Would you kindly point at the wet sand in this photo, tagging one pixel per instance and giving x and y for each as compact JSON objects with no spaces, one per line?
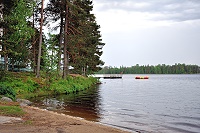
{"x":42,"y":121}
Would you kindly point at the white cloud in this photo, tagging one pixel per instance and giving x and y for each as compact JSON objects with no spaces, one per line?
{"x":149,"y":31}
{"x":184,"y":9}
{"x":120,"y":20}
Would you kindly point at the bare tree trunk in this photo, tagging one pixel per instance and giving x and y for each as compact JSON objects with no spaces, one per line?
{"x":60,"y":43}
{"x":40,"y":42}
{"x":33,"y":44}
{"x":34,"y":55}
{"x":65,"y":67}
{"x":1,"y":28}
{"x":5,"y":59}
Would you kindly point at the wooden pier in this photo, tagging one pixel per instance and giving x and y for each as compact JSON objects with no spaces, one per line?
{"x":108,"y":76}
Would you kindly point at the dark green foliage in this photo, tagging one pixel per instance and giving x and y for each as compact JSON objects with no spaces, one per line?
{"x":13,"y":85}
{"x":86,"y":47}
{"x":2,"y":75}
{"x":72,"y":85}
{"x":158,"y":69}
{"x":25,"y":85}
{"x":17,"y":33}
{"x":32,"y":85}
{"x":20,"y":38}
{"x":20,"y":47}
{"x":7,"y":91}
{"x":84,"y":44}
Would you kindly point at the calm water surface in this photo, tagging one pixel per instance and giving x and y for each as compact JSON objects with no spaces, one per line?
{"x":161,"y":104}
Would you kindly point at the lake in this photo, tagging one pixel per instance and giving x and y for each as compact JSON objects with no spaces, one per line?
{"x":160,"y":104}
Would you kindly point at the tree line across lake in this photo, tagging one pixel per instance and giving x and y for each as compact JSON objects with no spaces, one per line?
{"x":150,"y":69}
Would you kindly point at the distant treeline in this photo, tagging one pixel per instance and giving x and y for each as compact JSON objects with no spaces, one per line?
{"x":147,"y":69}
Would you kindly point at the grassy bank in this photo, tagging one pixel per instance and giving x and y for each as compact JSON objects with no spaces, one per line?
{"x":25,"y":85}
{"x":11,"y":109}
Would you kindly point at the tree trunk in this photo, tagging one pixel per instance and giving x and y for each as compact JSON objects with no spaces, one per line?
{"x":33,"y":44}
{"x":1,"y":28}
{"x":5,"y":59}
{"x":34,"y":55}
{"x":60,"y":43}
{"x":40,"y":42}
{"x":65,"y":67}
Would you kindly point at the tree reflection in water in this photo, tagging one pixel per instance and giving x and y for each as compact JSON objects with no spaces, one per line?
{"x":84,"y":104}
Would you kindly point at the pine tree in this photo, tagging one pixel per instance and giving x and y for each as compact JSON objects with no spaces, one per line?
{"x":79,"y":36}
{"x":17,"y":33}
{"x":85,"y":52}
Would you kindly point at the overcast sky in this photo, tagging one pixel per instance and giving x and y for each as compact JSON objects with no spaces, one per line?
{"x":149,"y":31}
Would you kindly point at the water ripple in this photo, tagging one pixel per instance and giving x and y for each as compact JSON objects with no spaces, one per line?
{"x":133,"y":115}
{"x":176,"y":129}
{"x":163,"y":104}
{"x":187,"y":124}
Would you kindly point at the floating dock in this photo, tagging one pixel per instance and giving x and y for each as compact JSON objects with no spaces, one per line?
{"x":112,"y":76}
{"x":108,"y":76}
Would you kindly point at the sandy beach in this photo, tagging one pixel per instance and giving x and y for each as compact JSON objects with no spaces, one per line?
{"x":42,"y":121}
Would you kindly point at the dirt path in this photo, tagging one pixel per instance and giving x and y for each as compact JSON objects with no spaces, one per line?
{"x":43,"y":121}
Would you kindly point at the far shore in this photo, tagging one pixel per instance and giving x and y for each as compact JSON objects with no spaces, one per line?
{"x":43,"y":121}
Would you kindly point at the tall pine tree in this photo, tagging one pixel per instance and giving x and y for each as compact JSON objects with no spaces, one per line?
{"x":80,"y":41}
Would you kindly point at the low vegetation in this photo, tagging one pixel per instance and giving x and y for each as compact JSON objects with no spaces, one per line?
{"x":25,"y":85}
{"x":11,"y":109}
{"x":72,"y":84}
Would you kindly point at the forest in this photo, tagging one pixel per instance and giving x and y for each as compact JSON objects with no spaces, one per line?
{"x":150,"y":69}
{"x":48,"y":47}
{"x":72,"y":43}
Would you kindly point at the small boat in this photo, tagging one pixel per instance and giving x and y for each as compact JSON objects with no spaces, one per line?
{"x":141,"y":77}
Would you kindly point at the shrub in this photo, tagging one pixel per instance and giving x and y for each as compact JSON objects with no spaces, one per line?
{"x":72,"y":84}
{"x":2,"y":75}
{"x":31,"y":85}
{"x":7,"y":91}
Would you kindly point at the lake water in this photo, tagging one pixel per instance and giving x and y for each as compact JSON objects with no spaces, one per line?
{"x":160,"y":104}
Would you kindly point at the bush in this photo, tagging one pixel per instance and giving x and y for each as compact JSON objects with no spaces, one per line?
{"x":22,"y":87}
{"x":7,"y":91}
{"x":72,"y":84}
{"x":2,"y":75}
{"x":22,"y":84}
{"x":32,"y":85}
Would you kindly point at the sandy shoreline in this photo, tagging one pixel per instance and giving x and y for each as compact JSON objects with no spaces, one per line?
{"x":42,"y":121}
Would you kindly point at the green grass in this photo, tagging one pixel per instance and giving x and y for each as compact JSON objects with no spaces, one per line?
{"x":28,"y":122}
{"x":14,"y":111}
{"x":25,"y":85}
{"x":72,"y":84}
